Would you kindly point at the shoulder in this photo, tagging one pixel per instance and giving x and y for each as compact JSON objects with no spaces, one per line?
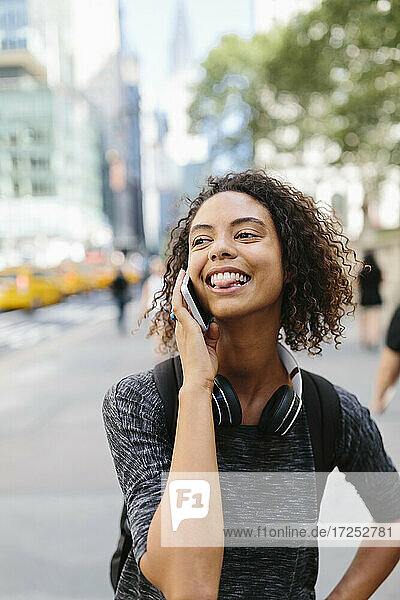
{"x":359,"y":445}
{"x":135,"y":397}
{"x":354,"y":418}
{"x":350,"y":407}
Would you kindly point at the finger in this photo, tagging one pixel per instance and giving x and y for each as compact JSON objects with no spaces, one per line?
{"x":180,"y":307}
{"x":212,"y":335}
{"x":177,"y":299}
{"x":176,"y":292}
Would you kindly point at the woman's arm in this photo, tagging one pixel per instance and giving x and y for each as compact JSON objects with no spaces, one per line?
{"x":369,"y":568}
{"x":190,"y":569}
{"x":387,"y":375}
{"x":188,"y":572}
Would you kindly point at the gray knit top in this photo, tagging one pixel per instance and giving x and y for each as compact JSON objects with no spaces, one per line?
{"x":137,"y":434}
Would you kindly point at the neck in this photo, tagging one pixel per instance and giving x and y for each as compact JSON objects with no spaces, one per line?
{"x":248,"y":355}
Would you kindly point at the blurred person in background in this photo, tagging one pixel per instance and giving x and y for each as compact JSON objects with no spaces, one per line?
{"x":389,"y":366}
{"x":120,"y":291}
{"x":369,"y":281}
{"x":151,"y":286}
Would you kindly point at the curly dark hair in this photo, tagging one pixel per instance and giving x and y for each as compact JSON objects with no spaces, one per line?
{"x":316,"y":258}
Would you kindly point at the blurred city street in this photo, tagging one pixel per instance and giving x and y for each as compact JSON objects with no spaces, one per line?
{"x":19,"y":329}
{"x":60,"y":501}
{"x":59,"y":496}
{"x":114,"y":115}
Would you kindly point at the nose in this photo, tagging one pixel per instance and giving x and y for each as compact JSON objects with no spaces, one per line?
{"x":220,"y":248}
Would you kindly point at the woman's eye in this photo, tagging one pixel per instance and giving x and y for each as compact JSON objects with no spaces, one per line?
{"x":246,"y":233}
{"x":239,"y":234}
{"x":197,"y":240}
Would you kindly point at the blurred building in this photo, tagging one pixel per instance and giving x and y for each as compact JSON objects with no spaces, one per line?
{"x":174,"y":161}
{"x":168,"y":181}
{"x":114,"y":92}
{"x":181,"y":146}
{"x":50,"y":162}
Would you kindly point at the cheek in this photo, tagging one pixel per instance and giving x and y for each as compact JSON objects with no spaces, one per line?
{"x":273,"y":262}
{"x":194,"y":265}
{"x":274,"y":274}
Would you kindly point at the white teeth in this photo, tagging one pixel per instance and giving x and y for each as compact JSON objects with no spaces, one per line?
{"x":227,"y":275}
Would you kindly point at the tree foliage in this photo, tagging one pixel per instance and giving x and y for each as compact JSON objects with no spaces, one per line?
{"x":227,"y":100}
{"x":333,"y":74}
{"x":341,"y":63}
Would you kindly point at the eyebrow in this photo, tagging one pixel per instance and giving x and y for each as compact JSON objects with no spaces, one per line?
{"x":238,"y":221}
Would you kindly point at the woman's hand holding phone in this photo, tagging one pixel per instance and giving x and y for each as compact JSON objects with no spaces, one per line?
{"x":197,"y":351}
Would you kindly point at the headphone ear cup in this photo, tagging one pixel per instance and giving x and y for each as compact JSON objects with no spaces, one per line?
{"x":225,"y":403}
{"x":280,"y":411}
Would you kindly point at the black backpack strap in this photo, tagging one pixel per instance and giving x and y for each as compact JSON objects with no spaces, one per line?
{"x":168,"y":378}
{"x":121,"y":553}
{"x":178,"y":370}
{"x":322,"y":406}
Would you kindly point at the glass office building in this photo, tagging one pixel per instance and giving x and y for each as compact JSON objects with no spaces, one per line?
{"x":50,"y":156}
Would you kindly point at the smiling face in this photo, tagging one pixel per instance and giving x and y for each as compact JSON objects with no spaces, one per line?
{"x":237,"y":235}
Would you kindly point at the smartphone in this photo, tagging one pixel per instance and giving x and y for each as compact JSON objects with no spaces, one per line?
{"x":202,"y":316}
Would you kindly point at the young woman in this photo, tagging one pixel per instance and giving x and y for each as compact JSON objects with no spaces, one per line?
{"x":290,"y":276}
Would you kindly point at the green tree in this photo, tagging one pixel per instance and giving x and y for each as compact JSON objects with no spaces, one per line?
{"x":341,"y":64}
{"x":227,"y":105}
{"x":332,"y":75}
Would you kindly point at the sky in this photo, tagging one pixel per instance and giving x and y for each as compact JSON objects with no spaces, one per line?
{"x":150,"y":25}
{"x":96,"y":36}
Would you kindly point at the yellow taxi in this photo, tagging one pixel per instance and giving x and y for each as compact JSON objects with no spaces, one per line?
{"x":72,"y":278}
{"x":132,"y":275}
{"x":28,"y":288}
{"x":103,"y":276}
{"x":79,"y":278}
{"x":87,"y":274}
{"x":65,"y":280}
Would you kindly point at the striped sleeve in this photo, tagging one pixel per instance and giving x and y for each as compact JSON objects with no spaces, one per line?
{"x":137,"y":436}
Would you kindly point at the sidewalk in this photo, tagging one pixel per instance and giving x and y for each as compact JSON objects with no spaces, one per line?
{"x":59,"y":498}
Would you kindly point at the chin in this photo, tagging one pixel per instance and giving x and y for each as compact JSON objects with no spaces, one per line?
{"x":228,"y":313}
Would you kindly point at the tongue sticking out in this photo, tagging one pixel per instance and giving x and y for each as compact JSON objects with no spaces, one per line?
{"x":224,"y":283}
